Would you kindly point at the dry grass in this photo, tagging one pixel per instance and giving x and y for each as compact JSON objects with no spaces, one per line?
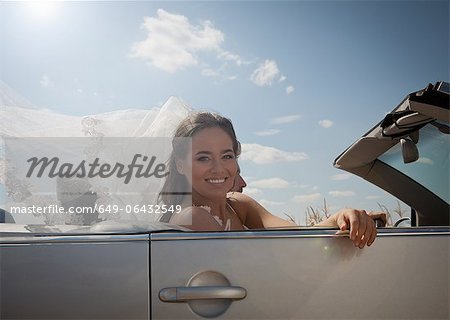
{"x":315,"y":215}
{"x":398,"y":211}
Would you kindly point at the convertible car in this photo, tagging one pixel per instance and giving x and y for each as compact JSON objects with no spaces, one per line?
{"x":134,"y":270}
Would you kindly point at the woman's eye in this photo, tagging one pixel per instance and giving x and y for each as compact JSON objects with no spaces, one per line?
{"x":203,"y":159}
{"x":229,"y":156}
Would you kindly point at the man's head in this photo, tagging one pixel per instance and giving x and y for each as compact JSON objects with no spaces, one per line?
{"x":239,"y":182}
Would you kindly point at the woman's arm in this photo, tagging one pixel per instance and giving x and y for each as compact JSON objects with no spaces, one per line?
{"x":361,"y":225}
{"x":253,"y":215}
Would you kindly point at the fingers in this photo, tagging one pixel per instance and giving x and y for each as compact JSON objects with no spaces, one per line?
{"x":372,"y":237}
{"x":354,"y":225}
{"x":362,"y":228}
{"x":362,"y":225}
{"x":369,"y":233}
{"x":342,"y":222}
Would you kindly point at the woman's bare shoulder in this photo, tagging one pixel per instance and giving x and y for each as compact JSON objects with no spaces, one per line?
{"x":239,"y":196}
{"x":240,"y":199}
{"x":242,"y":204}
{"x":195,"y":218}
{"x":254,"y":214}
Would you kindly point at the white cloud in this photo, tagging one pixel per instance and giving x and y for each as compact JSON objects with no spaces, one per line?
{"x":337,"y":193}
{"x":228,"y":56}
{"x":172,"y":41}
{"x":265,"y":74}
{"x":252,"y":191}
{"x":289,"y":89}
{"x":267,"y":203}
{"x":425,"y":160}
{"x":46,"y":82}
{"x":341,"y":176}
{"x":271,"y":183}
{"x":325,"y":123}
{"x":295,"y":184}
{"x":373,"y":197}
{"x":260,"y":154}
{"x":286,"y":119}
{"x":218,"y":75}
{"x":209,"y":73}
{"x":269,"y":132}
{"x":307,"y":198}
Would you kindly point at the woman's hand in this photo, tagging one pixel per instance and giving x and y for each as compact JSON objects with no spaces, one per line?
{"x":361,"y":225}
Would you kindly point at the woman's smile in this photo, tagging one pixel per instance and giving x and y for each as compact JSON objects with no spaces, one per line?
{"x":216,"y":181}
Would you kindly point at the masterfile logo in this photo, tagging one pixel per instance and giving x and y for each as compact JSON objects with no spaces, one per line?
{"x":90,"y":179}
{"x":146,"y":168}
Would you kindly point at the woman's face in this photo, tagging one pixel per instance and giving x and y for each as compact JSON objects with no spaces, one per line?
{"x":211,"y":167}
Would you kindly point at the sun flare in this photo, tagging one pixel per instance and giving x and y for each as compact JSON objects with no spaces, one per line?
{"x":42,"y":9}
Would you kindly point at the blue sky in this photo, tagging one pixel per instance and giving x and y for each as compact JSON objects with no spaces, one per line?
{"x":304,"y":78}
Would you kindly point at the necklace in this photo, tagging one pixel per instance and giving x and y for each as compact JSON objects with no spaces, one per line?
{"x":226,"y":217}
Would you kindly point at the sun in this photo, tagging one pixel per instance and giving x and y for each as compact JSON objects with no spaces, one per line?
{"x":42,"y":10}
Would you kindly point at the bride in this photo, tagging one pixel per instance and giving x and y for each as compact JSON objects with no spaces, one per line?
{"x":208,"y":169}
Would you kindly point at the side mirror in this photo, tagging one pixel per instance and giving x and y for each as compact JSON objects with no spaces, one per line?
{"x":410,"y":152}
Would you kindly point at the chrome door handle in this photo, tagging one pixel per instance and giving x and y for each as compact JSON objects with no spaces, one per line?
{"x":208,"y":294}
{"x":183,"y":294}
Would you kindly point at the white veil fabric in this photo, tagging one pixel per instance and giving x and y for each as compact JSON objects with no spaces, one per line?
{"x":21,"y":119}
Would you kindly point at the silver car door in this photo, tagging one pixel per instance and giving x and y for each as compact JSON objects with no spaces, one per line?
{"x":81,"y":276}
{"x":300,"y":274}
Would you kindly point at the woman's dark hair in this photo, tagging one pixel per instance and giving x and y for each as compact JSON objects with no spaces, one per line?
{"x":176,"y":185}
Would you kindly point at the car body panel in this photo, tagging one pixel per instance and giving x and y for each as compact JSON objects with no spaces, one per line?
{"x":287,"y":274}
{"x":74,"y":277}
{"x":310,"y":274}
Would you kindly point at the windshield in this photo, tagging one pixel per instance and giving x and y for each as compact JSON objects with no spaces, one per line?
{"x":432,"y":168}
